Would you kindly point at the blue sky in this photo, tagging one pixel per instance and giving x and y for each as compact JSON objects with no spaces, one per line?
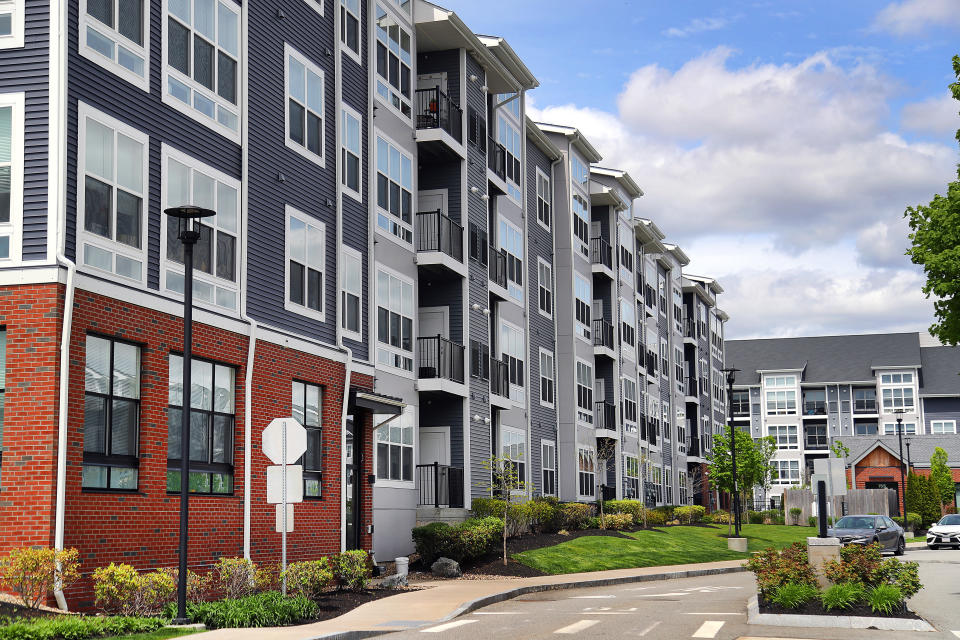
{"x":778,"y":142}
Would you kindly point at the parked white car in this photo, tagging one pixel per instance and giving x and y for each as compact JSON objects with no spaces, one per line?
{"x":945,"y":533}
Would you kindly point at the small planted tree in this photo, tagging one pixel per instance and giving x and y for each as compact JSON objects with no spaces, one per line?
{"x":941,"y":479}
{"x":507,"y":484}
{"x":33,"y":573}
{"x":606,"y":453}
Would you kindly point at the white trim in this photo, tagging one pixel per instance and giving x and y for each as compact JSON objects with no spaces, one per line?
{"x":142,"y":51}
{"x":404,"y":26}
{"x":951,"y":424}
{"x":355,"y":55}
{"x":517,"y":391}
{"x":316,"y":5}
{"x":377,"y":209}
{"x":84,"y":238}
{"x":552,"y":377}
{"x":592,"y":387}
{"x":549,"y":287}
{"x":375,"y":334}
{"x":15,"y":39}
{"x":347,"y":110}
{"x":548,"y":200}
{"x":553,"y":467}
{"x":308,"y":221}
{"x":311,"y":67}
{"x":14,"y":228}
{"x":347,"y":333}
{"x":408,"y":414}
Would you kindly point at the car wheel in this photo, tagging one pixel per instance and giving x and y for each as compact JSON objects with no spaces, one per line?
{"x":901,"y":547}
{"x":932,"y":547}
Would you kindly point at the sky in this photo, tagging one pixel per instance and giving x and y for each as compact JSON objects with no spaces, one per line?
{"x":778,"y":143}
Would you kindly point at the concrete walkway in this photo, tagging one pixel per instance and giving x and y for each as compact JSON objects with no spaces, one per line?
{"x":443,"y":600}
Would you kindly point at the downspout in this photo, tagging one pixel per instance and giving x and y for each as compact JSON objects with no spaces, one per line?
{"x":556,"y":339}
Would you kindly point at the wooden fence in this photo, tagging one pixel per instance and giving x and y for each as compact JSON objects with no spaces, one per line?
{"x":857,"y":501}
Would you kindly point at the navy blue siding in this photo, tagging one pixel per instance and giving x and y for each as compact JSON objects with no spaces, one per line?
{"x":444,"y":293}
{"x":445,"y":411}
{"x":940,"y":409}
{"x":447,"y":175}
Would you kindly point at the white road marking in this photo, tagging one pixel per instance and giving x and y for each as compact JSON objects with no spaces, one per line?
{"x":649,"y":629}
{"x":447,"y":626}
{"x":708,"y":629}
{"x":576,"y":627}
{"x":956,"y":633}
{"x":657,"y":595}
{"x":590,"y":597}
{"x":496,"y":613}
{"x":710,"y":613}
{"x":638,"y":589}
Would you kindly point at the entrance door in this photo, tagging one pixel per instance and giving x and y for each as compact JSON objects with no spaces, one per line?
{"x":353,"y":463}
{"x":432,"y":200}
{"x":434,"y":321}
{"x":435,"y":445}
{"x":434,"y":481}
{"x":598,"y":390}
{"x":432,"y":81}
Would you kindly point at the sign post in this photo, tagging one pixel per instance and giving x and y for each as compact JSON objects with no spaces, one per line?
{"x":284,"y":441}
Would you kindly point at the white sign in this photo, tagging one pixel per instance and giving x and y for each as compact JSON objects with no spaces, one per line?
{"x":273,"y":440}
{"x":275,"y":483}
{"x":834,"y":475}
{"x":289,"y":518}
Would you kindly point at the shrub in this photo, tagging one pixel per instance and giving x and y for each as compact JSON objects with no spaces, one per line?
{"x":633,"y":507}
{"x":773,"y":568}
{"x":905,"y":576}
{"x":309,"y":578}
{"x":721,"y":517}
{"x":76,"y":627}
{"x":812,"y":521}
{"x":795,"y":515}
{"x":857,"y":564}
{"x":885,"y":599}
{"x":519,"y":515}
{"x":33,"y":573}
{"x":754,"y":517}
{"x":576,"y":515}
{"x":667,"y":512}
{"x":772,"y":516}
{"x":119,"y":588}
{"x":196,"y":583}
{"x":689,"y":514}
{"x":431,"y":541}
{"x":267,"y":609}
{"x":475,"y":537}
{"x":545,"y":515}
{"x":792,"y":595}
{"x":842,"y":595}
{"x":618,"y":521}
{"x":655,"y":518}
{"x":593,"y":522}
{"x":234,"y":577}
{"x":913,"y":521}
{"x":352,"y":569}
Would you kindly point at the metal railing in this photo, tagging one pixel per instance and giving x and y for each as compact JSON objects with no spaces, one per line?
{"x":689,"y":328}
{"x":438,"y":357}
{"x":499,"y":378}
{"x":814,"y":408}
{"x":601,"y":253}
{"x":602,"y":333}
{"x":865,"y":406}
{"x":437,"y":232}
{"x":497,"y":158}
{"x":439,"y":485}
{"x":498,"y":266}
{"x":604,"y":416}
{"x":435,"y":110}
{"x":691,"y":387}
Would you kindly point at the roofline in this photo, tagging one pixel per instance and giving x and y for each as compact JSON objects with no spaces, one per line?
{"x":677,"y":253}
{"x":895,"y":366}
{"x":840,"y":335}
{"x":712,"y":282}
{"x":621,"y":204}
{"x":575,"y":137}
{"x":509,"y":58}
{"x":540,"y":139}
{"x":870,"y":449}
{"x":624,"y":178}
{"x":649,"y":228}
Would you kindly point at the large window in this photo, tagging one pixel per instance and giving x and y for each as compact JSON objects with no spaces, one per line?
{"x":112,"y":34}
{"x":111,"y":198}
{"x":509,"y":136}
{"x":741,"y":403}
{"x":545,"y":288}
{"x":781,"y":403}
{"x":548,"y":465}
{"x":304,"y":105}
{"x":306,"y":242}
{"x":890,"y":428}
{"x":307,"y":408}
{"x":350,"y":152}
{"x":211,"y":426}
{"x":394,"y":190}
{"x":629,"y":406}
{"x":11,"y":24}
{"x":215,"y":261}
{"x":513,"y":447}
{"x":584,"y":392}
{"x":896,"y":378}
{"x":394,"y":321}
{"x":111,"y":414}
{"x":586,"y":476}
{"x":544,"y":198}
{"x":786,"y":436}
{"x":898,"y":398}
{"x":351,"y":297}
{"x":786,"y":471}
{"x":393,"y":62}
{"x":395,"y":447}
{"x":511,"y":241}
{"x":547,"y":387}
{"x":864,"y":400}
{"x":581,"y":225}
{"x":350,"y":27}
{"x":628,"y":325}
{"x":580,"y":172}
{"x":11,"y":174}
{"x":777,"y":382}
{"x":816,"y":436}
{"x":512,"y":350}
{"x":582,"y":303}
{"x":631,"y":472}
{"x":938,"y":427}
{"x":202,"y":45}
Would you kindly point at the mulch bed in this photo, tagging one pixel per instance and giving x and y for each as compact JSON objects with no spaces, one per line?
{"x":814,"y":608}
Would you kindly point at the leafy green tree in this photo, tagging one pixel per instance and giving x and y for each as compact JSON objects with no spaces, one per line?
{"x":913,"y":497}
{"x":753,"y":462}
{"x":936,"y":245}
{"x":942,"y":479}
{"x":930,"y":501}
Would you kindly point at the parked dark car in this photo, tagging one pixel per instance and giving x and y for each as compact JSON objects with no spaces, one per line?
{"x":868,"y":529}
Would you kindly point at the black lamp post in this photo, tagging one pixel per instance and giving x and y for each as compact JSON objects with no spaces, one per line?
{"x":188,"y":231}
{"x":731,"y":377}
{"x":903,"y":475}
{"x":906,"y":441}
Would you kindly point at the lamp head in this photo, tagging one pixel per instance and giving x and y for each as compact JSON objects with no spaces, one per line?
{"x":188,"y":221}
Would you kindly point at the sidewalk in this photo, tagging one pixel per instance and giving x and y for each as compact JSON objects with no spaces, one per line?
{"x":440,"y":601}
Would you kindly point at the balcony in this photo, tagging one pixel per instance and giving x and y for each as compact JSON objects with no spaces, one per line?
{"x":440,"y":365}
{"x":605,"y":419}
{"x":691,"y":389}
{"x":500,"y":384}
{"x":816,"y":438}
{"x":439,"y":243}
{"x":601,"y":256}
{"x":865,"y":406}
{"x":439,"y":125}
{"x":815,"y":408}
{"x":439,"y":485}
{"x":603,"y":338}
{"x":497,"y":164}
{"x":497,"y":267}
{"x":689,"y":329}
{"x":652,"y":364}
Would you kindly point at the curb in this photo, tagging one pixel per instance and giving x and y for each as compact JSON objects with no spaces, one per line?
{"x":832,"y":622}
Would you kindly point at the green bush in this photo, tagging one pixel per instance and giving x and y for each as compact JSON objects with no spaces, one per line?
{"x":431,"y":541}
{"x":772,"y":516}
{"x":633,"y":507}
{"x":352,"y":569}
{"x":812,"y":521}
{"x":795,"y":515}
{"x":857,"y":564}
{"x":617,"y":521}
{"x":519,"y":514}
{"x":545,"y":514}
{"x":689,"y":514}
{"x":233,"y":577}
{"x":667,"y":511}
{"x":267,"y":609}
{"x":656,"y":518}
{"x":793,"y":595}
{"x":885,"y":599}
{"x":754,"y":517}
{"x":119,"y":588}
{"x":76,"y":627}
{"x":309,"y":578}
{"x":905,"y":576}
{"x":721,"y":517}
{"x":593,"y":522}
{"x":577,"y":515}
{"x":466,"y":541}
{"x":32,"y":573}
{"x":842,"y":595}
{"x":913,"y":521}
{"x":773,"y":568}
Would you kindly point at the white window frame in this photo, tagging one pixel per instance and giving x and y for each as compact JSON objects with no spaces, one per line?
{"x":583,"y":331}
{"x":786,"y":436}
{"x":588,"y":455}
{"x":772,"y":403}
{"x":630,"y":426}
{"x":789,"y":464}
{"x":378,"y":79}
{"x":508,"y":135}
{"x":546,"y":196}
{"x":629,"y":349}
{"x":513,"y":447}
{"x":310,"y":67}
{"x":581,"y":248}
{"x":904,"y":392}
{"x":15,"y":39}
{"x":890,"y":428}
{"x":14,"y":228}
{"x":517,"y":391}
{"x":356,"y":14}
{"x":168,"y":153}
{"x":351,"y":254}
{"x":548,"y":286}
{"x":631,"y":473}
{"x":84,"y":237}
{"x":945,"y":427}
{"x":387,"y":348}
{"x":111,"y":33}
{"x":309,"y":221}
{"x":406,"y":419}
{"x":219,"y":103}
{"x":550,"y":376}
{"x":548,"y":465}
{"x":316,"y":5}
{"x":386,"y":214}
{"x":585,"y":416}
{"x":780,"y":382}
{"x":505,"y":228}
{"x":896,"y":378}
{"x":346,"y":113}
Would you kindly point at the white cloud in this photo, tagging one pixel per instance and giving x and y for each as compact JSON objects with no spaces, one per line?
{"x":911,"y":17}
{"x":697,"y":25}
{"x":939,"y":116}
{"x":884,"y":244}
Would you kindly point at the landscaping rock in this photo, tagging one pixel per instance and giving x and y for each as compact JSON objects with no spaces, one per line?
{"x":446,"y":568}
{"x":395,"y":581}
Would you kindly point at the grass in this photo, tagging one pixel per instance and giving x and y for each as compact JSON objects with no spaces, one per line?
{"x":159,"y":634}
{"x":666,"y":546}
{"x":917,"y":539}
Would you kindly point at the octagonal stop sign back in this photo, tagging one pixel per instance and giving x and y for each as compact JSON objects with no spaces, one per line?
{"x":273,"y":440}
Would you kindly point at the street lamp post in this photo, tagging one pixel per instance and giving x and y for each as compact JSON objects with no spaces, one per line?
{"x":903,"y":478}
{"x":188,"y":231}
{"x":906,"y":441}
{"x":731,"y":377}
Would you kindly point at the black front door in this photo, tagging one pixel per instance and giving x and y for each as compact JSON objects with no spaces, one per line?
{"x":353,"y":460}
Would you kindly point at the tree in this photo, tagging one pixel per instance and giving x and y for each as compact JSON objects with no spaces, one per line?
{"x":753,"y":462}
{"x":913,"y":496}
{"x":607,"y":454}
{"x":504,"y":481}
{"x":842,"y":451}
{"x":936,"y":245}
{"x":930,"y":501}
{"x":942,"y":479}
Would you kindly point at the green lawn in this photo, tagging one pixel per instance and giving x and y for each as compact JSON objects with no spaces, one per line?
{"x":159,"y":634}
{"x":666,"y":546}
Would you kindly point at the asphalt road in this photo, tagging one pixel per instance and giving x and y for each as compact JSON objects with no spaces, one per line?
{"x":704,"y":607}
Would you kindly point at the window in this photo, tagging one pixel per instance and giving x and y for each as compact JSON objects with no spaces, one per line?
{"x":479,"y":360}
{"x":304,"y":105}
{"x":546,"y":378}
{"x":202,"y":44}
{"x":678,"y":367}
{"x":544,"y":198}
{"x":631,"y":484}
{"x":111,"y":201}
{"x":350,"y":26}
{"x":657,"y":481}
{"x":351,"y":307}
{"x":307,"y":408}
{"x":677,"y":311}
{"x":579,"y":172}
{"x":350,"y":152}
{"x":545,"y":282}
{"x":943,"y":426}
{"x":865,"y":428}
{"x":741,"y":403}
{"x":11,"y":24}
{"x":896,"y":378}
{"x":513,"y":445}
{"x":780,"y":381}
{"x":581,"y":225}
{"x":394,"y":321}
{"x":662,"y":293}
{"x":478,"y":244}
{"x":215,"y":265}
{"x":548,"y":465}
{"x":864,"y":400}
{"x":512,"y":101}
{"x":211,"y":426}
{"x":898,"y":398}
{"x":112,"y":34}
{"x":786,"y":471}
{"x":509,"y":136}
{"x":890,"y":428}
{"x":511,"y":241}
{"x":628,"y":329}
{"x":786,"y":436}
{"x":394,"y":189}
{"x":477,"y":130}
{"x":306,"y":242}
{"x":816,"y":436}
{"x":664,"y":358}
{"x":582,"y":302}
{"x":512,"y":352}
{"x":584,"y":392}
{"x":393,"y":62}
{"x":626,"y":258}
{"x":586,"y":475}
{"x":11,"y":174}
{"x":395,"y":447}
{"x":781,"y":403}
{"x":682,"y":487}
{"x":629,"y":409}
{"x":111,"y":414}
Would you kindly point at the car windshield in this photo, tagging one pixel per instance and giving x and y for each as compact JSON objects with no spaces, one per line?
{"x":950,"y":520}
{"x":856,"y":522}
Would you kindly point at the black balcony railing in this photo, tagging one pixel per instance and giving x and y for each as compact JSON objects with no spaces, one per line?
{"x":498,"y":266}
{"x":602,"y":334}
{"x":604,"y":416}
{"x":814,"y":408}
{"x":435,"y":110}
{"x":499,"y":378}
{"x":691,"y":387}
{"x":689,"y":328}
{"x":437,"y":232}
{"x":601,"y":253}
{"x":438,"y":357}
{"x":439,"y":485}
{"x":497,"y":158}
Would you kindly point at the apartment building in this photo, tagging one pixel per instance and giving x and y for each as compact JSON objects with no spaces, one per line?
{"x":400,"y":258}
{"x":811,"y":392}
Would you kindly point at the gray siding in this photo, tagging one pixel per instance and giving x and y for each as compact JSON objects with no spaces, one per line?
{"x":940,"y":409}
